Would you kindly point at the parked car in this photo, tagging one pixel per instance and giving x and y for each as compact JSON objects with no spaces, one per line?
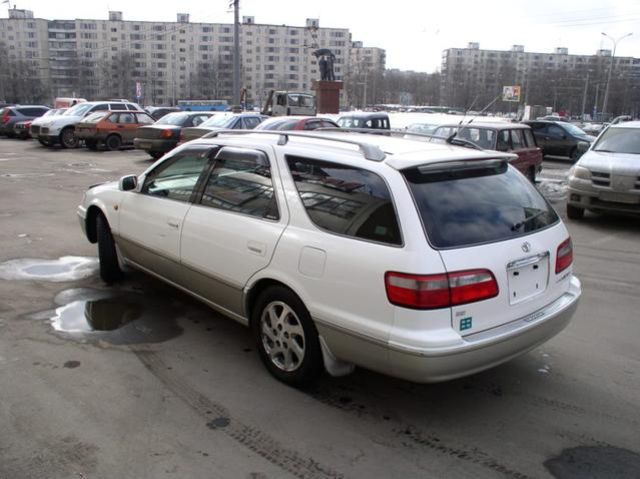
{"x":34,"y":128}
{"x":559,"y":138}
{"x":375,"y":120}
{"x":14,"y":114}
{"x":342,"y":249}
{"x":158,"y":112}
{"x":501,"y":136}
{"x":223,"y":121}
{"x":424,"y":128}
{"x":296,"y":123}
{"x":113,"y":129}
{"x":607,"y":177}
{"x":61,"y":128}
{"x":164,"y":134}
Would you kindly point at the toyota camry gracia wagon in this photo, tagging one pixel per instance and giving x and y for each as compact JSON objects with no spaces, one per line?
{"x":421,"y":261}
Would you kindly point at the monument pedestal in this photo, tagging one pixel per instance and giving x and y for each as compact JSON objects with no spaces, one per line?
{"x":327,"y":95}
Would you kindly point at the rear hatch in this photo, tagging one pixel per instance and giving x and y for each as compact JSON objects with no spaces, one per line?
{"x":159,"y":131}
{"x":488,"y":221}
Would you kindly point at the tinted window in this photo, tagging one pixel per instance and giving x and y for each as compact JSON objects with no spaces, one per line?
{"x":174,"y":119}
{"x":131,"y":107}
{"x":465,"y":204}
{"x":312,"y":124}
{"x":196,"y":120}
{"x":241,"y":182}
{"x":517,"y":141}
{"x":346,"y":200}
{"x":176,"y":177}
{"x":100,"y":107}
{"x":503,"y":141}
{"x":555,"y":131}
{"x":117,"y":106}
{"x":251,"y":122}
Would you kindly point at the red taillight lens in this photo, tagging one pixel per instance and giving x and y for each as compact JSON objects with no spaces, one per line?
{"x":440,"y":290}
{"x":564,"y":255}
{"x":167,"y":134}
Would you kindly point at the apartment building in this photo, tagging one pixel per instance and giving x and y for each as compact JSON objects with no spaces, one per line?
{"x":171,"y":60}
{"x":471,"y":72}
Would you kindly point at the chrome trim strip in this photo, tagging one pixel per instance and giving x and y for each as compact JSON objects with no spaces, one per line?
{"x":519,"y":263}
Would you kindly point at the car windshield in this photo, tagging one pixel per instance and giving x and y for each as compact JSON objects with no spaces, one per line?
{"x":474,"y":202}
{"x":573,"y":129}
{"x":78,"y":110}
{"x":173,"y":119}
{"x":218,"y":121}
{"x":619,"y":140}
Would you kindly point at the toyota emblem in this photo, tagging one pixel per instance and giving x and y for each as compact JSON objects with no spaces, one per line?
{"x":526,"y":246}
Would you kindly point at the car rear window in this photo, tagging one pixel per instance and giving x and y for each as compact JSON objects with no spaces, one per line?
{"x":474,"y":202}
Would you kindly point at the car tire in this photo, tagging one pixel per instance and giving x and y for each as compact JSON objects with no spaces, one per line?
{"x":574,"y":212}
{"x":113,"y":142}
{"x":573,"y":154}
{"x":91,"y":144}
{"x":286,"y":337}
{"x":156,"y":155}
{"x":68,"y":138}
{"x":110,"y":271}
{"x":531,"y":174}
{"x":43,"y":142}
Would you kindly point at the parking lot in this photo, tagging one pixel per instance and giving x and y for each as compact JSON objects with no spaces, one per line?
{"x":169,"y":388}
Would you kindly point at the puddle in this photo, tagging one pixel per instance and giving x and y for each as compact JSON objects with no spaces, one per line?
{"x":26,"y":175}
{"x":595,"y":462}
{"x":67,"y":268}
{"x":115,"y":317}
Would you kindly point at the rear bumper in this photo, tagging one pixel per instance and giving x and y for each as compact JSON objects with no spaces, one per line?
{"x":155,"y":145}
{"x":486,"y":349}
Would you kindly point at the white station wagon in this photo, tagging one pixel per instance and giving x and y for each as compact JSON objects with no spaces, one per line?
{"x":421,"y":261}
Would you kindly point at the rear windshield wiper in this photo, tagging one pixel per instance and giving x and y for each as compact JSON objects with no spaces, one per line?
{"x":517,"y":226}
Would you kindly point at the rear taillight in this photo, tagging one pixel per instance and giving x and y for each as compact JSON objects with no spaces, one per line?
{"x":167,"y":134}
{"x":564,"y":255}
{"x":5,"y":117}
{"x":440,"y":290}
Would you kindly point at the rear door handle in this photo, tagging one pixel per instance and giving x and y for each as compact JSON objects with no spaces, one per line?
{"x":257,"y":248}
{"x":173,"y":223}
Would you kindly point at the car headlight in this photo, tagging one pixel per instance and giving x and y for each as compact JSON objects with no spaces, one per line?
{"x":580,"y":172}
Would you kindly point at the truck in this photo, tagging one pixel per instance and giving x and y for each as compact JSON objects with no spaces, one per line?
{"x":285,"y":103}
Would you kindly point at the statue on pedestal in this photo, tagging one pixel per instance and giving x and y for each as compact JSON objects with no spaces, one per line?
{"x":326,"y":59}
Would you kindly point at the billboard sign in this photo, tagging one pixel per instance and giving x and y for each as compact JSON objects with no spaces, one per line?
{"x":511,"y":93}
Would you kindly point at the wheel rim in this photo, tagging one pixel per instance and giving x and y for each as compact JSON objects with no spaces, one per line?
{"x":69,"y":138}
{"x":282,"y":336}
{"x":113,"y":143}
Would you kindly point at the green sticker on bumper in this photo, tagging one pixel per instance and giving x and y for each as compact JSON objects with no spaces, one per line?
{"x":465,"y":323}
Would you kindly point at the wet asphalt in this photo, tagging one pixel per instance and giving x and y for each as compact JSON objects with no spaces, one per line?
{"x":141,"y":381}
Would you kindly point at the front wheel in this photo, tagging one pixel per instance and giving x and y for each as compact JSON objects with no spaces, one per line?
{"x":531,"y":174}
{"x":573,"y":154}
{"x":286,"y":337}
{"x":68,"y":138}
{"x":156,"y":155}
{"x":110,"y":271}
{"x":574,"y":212}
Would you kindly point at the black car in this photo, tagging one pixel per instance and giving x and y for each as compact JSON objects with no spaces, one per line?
{"x":560,"y":138}
{"x":14,"y":114}
{"x":164,"y":134}
{"x":158,"y":112}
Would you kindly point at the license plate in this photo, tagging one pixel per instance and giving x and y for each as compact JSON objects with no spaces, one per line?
{"x":144,"y":144}
{"x":528,"y":278}
{"x":619,"y":198}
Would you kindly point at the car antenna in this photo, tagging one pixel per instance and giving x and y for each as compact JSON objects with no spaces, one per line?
{"x":450,"y":138}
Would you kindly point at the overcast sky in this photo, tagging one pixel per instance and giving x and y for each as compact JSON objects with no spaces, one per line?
{"x":413,"y":32}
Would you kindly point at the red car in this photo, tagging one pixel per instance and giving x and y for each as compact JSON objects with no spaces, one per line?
{"x":296,"y":123}
{"x":515,"y":138}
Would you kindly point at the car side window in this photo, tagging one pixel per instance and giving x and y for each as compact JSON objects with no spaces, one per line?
{"x":503,"y":141}
{"x":517,"y":141}
{"x":312,"y":125}
{"x":346,"y":200}
{"x":555,"y":131}
{"x":117,"y":106}
{"x":250,"y":122}
{"x":100,"y":107}
{"x":126,"y":118}
{"x":176,"y":177}
{"x":144,"y":119}
{"x":241,"y":182}
{"x":528,"y":136}
{"x":196,"y":120}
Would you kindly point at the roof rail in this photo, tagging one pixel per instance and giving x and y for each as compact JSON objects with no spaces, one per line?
{"x":369,"y":151}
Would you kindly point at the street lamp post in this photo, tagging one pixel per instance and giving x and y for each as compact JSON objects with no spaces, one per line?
{"x":613,"y":55}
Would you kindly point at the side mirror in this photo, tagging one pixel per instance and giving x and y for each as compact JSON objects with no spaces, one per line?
{"x":128,"y":183}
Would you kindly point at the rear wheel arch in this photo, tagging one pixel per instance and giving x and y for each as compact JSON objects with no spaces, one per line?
{"x":255,"y":291}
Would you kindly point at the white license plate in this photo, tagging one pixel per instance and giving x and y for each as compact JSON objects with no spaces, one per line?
{"x":144,"y":144}
{"x":619,"y":198}
{"x":528,"y":278}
